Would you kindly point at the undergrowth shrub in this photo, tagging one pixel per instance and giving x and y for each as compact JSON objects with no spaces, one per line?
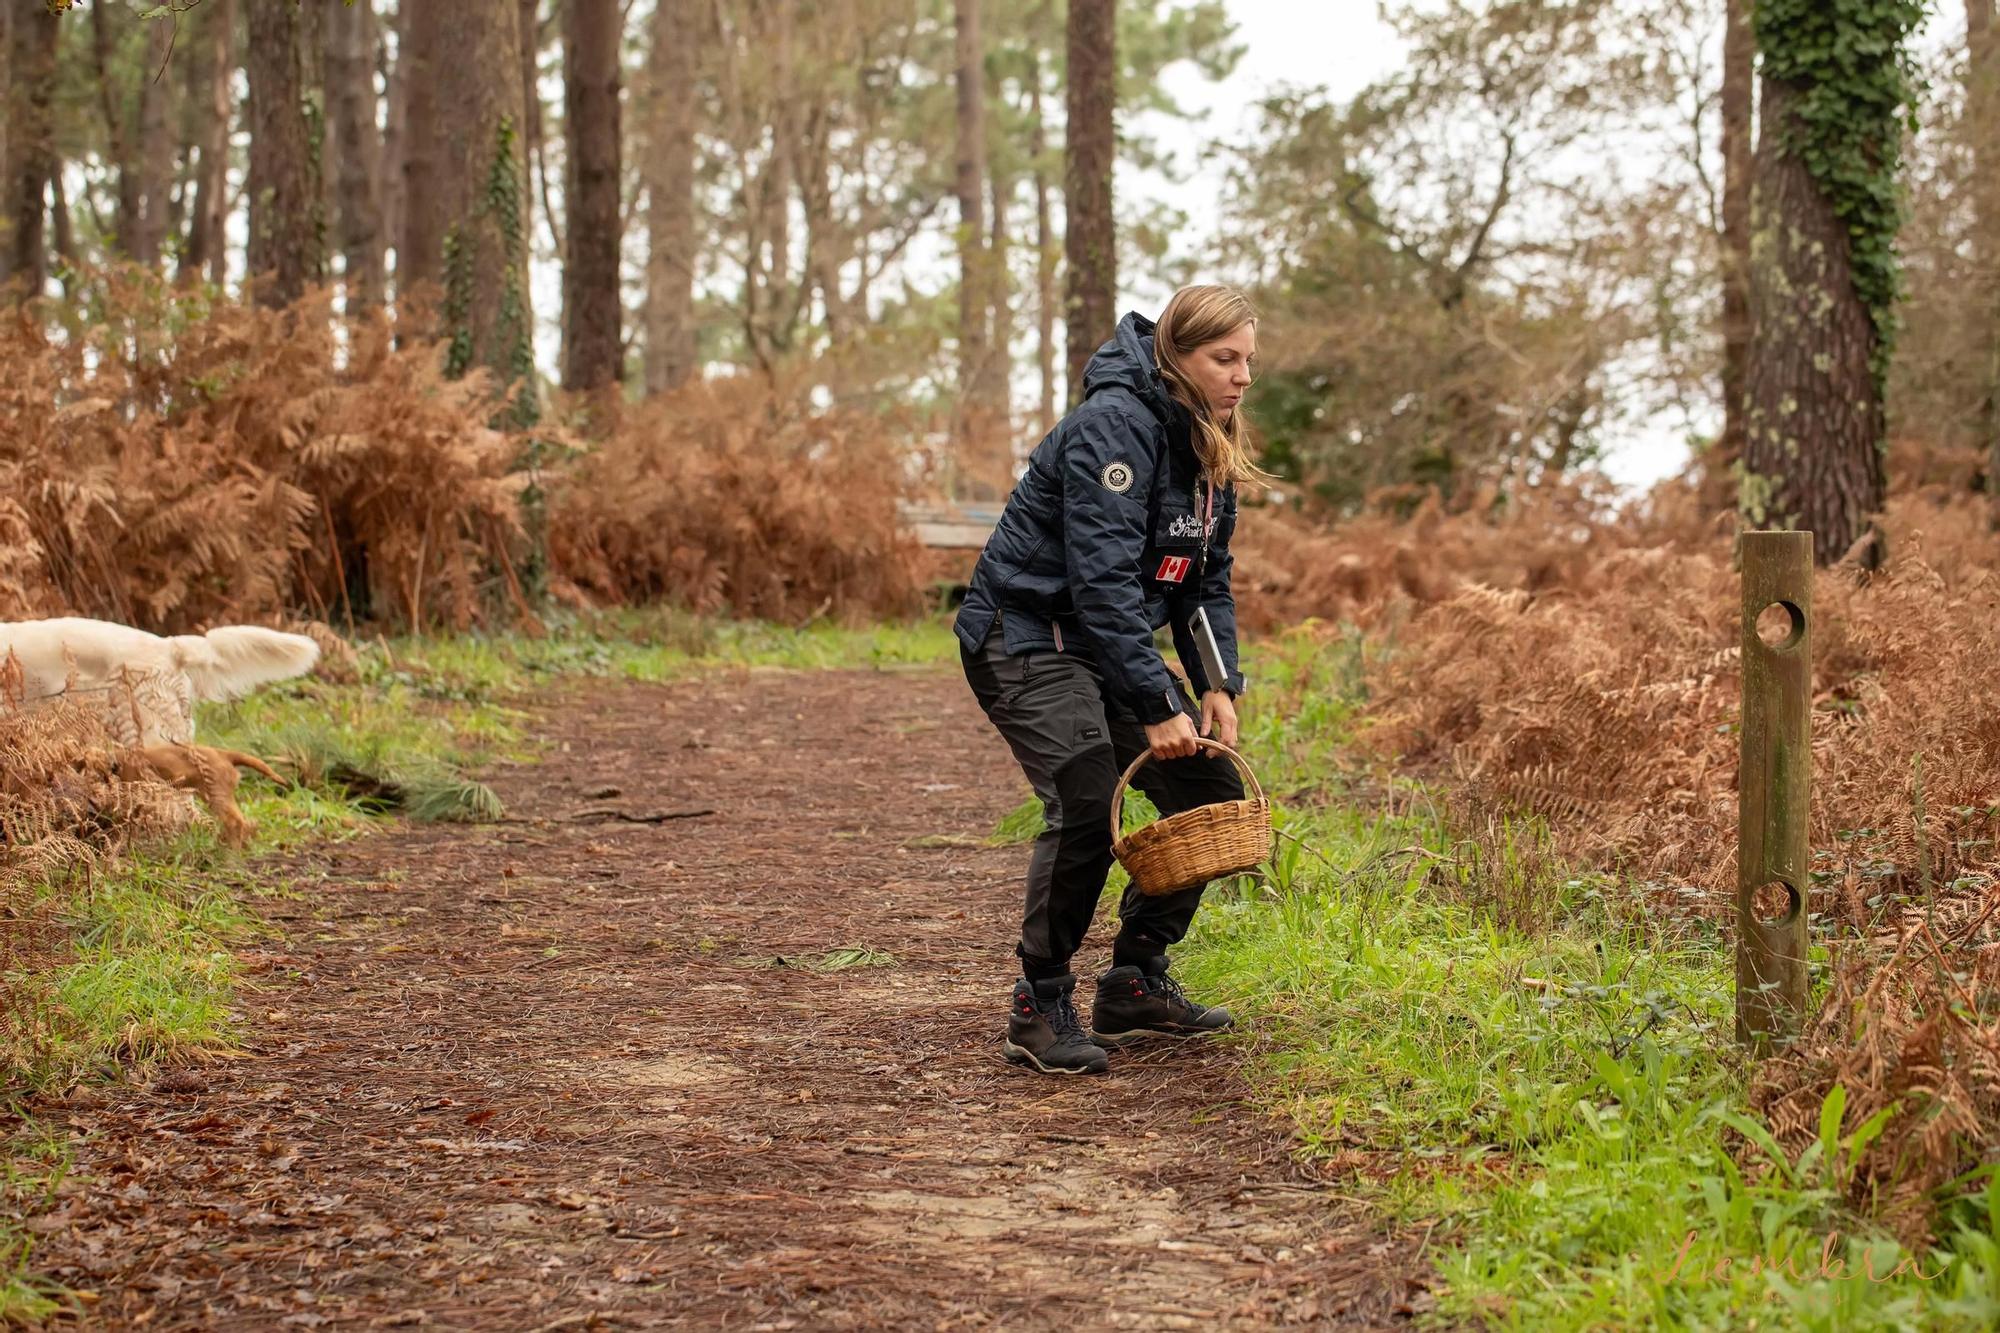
{"x":723,"y":495}
{"x":1557,"y":659}
{"x":171,"y":462}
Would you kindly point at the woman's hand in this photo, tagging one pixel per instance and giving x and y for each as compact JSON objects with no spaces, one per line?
{"x":1218,"y":717}
{"x":1172,"y":739}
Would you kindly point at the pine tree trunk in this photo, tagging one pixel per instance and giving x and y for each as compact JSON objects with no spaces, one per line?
{"x":670,"y":203}
{"x":1089,"y":237}
{"x":466,"y":184}
{"x":357,"y":150}
{"x":974,"y":301}
{"x":31,"y":158}
{"x":1739,"y":73}
{"x":59,"y":220}
{"x":156,"y":145}
{"x":7,"y":112}
{"x":1813,"y":447}
{"x":395,"y":136}
{"x":117,"y":128}
{"x":1045,"y":255}
{"x":593,"y":348}
{"x":420,"y":243}
{"x":207,"y":246}
{"x":535,"y":153}
{"x":286,"y":217}
{"x":1982,"y":116}
{"x":999,"y":295}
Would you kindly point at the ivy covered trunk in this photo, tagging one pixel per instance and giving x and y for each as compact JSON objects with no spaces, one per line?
{"x":1824,"y":212}
{"x":287,"y":221}
{"x":466,"y":187}
{"x":1089,"y":237}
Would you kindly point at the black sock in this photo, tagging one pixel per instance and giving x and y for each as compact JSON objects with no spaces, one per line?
{"x":1042,"y":969}
{"x":1135,"y":949}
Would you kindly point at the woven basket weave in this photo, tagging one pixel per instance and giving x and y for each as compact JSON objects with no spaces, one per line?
{"x":1194,"y":846}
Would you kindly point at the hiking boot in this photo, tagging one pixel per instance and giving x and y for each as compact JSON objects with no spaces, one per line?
{"x":1134,"y":1003}
{"x":1044,"y":1032}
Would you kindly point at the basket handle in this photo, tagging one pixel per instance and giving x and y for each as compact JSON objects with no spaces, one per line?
{"x":1118,"y":796}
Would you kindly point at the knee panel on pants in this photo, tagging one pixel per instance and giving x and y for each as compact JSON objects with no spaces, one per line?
{"x":1084,"y":786}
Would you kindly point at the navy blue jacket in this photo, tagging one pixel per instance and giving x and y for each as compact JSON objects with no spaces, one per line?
{"x":1099,"y":544}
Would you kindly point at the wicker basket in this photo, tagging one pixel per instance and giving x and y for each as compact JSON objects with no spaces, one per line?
{"x":1194,"y":846}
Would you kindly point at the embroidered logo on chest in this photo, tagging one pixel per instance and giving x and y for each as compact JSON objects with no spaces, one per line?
{"x":1187,"y":525}
{"x":1173,"y":568}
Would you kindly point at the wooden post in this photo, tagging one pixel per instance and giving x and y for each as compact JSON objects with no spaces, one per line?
{"x":1774,"y":787}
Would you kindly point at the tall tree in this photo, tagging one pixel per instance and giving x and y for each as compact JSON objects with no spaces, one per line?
{"x":975,"y":302}
{"x":7,"y":13}
{"x":287,"y":218}
{"x":212,"y":105}
{"x":536,"y":153}
{"x":31,"y":154}
{"x":1739,"y":77}
{"x":1982,"y":39}
{"x":466,"y":186}
{"x":357,"y":149}
{"x":593,"y":348}
{"x":156,"y":145}
{"x":1045,"y":253}
{"x":113,"y":105}
{"x":209,"y":107}
{"x":1089,"y":237}
{"x":1825,"y":208}
{"x":395,"y":130}
{"x":668,"y":169}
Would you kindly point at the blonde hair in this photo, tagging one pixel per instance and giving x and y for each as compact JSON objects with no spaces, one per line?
{"x":1193,"y":317}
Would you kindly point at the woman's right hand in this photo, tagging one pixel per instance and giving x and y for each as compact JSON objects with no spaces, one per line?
{"x":1172,"y":739}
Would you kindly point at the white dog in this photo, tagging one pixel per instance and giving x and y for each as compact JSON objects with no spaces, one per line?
{"x":158,"y":677}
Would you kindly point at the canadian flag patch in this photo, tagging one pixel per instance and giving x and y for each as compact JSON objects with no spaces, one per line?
{"x":1173,"y":568}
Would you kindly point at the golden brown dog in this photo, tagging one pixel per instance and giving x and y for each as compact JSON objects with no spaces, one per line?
{"x":204,"y":770}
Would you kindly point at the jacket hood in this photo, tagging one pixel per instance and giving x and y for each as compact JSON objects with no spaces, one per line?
{"x":1126,"y":362}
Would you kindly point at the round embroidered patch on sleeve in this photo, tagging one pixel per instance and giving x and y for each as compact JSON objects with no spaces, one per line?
{"x":1117,"y":477}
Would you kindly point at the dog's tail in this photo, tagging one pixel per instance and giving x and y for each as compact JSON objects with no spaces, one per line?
{"x":235,"y":659}
{"x":252,"y":762}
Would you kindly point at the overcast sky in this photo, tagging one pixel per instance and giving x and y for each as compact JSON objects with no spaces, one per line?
{"x":1341,"y":45}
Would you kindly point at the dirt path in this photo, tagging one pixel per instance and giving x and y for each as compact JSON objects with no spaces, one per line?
{"x":552,"y":1075}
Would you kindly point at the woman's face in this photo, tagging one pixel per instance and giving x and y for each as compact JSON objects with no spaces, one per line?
{"x":1221,"y":369}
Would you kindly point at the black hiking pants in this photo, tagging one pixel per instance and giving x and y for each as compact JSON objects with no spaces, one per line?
{"x":1073,"y":743}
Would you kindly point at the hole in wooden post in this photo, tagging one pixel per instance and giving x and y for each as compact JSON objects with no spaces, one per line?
{"x":1775,"y":903}
{"x":1781,"y":625}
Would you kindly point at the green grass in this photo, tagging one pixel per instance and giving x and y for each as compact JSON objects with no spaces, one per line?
{"x":664,"y":645}
{"x":34,"y":1159}
{"x":1513,"y":1059}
